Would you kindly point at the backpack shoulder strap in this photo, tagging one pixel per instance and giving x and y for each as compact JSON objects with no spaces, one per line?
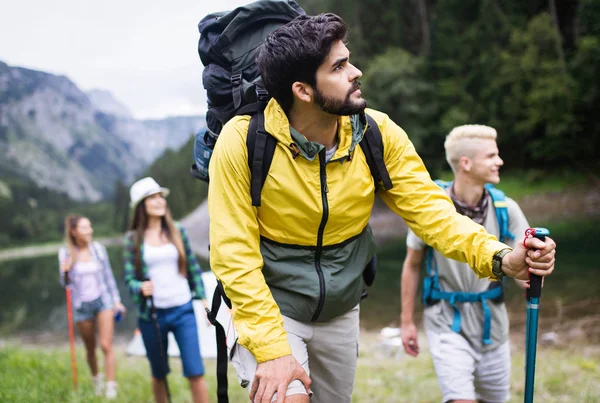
{"x":261,"y":148}
{"x":372,"y":146}
{"x":221,"y":341}
{"x":501,"y":208}
{"x":443,"y":184}
{"x":431,"y":281}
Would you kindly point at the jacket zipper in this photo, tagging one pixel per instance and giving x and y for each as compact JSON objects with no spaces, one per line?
{"x":324,"y":191}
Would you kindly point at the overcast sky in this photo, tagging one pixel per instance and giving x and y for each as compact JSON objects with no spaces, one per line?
{"x":143,"y":52}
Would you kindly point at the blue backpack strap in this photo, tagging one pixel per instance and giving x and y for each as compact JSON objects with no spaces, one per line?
{"x":432,"y":292}
{"x":443,"y":184}
{"x":501,"y":208}
{"x":430,"y":282}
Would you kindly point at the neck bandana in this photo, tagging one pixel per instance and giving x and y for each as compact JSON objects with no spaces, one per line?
{"x":476,"y":213}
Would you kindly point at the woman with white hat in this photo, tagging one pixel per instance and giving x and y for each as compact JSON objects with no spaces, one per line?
{"x":160,"y":266}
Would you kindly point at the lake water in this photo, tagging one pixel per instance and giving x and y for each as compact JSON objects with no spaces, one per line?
{"x":33,"y":302}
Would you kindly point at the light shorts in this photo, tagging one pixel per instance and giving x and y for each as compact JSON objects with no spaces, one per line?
{"x":328,"y":351}
{"x":88,"y":310}
{"x":465,"y":374}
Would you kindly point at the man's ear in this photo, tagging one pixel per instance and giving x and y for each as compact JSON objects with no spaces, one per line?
{"x":465,"y":163}
{"x":302,"y":91}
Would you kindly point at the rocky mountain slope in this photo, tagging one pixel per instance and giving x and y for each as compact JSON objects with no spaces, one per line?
{"x":73,"y":142}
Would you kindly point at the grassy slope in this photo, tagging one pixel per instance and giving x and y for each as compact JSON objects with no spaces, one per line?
{"x":40,"y":375}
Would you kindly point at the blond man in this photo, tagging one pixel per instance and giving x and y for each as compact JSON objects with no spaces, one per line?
{"x":465,"y":318}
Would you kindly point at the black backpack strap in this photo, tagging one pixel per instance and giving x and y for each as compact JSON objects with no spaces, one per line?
{"x":237,"y":89}
{"x":219,"y":293}
{"x":261,"y":147}
{"x":372,"y":146}
{"x":250,"y":109}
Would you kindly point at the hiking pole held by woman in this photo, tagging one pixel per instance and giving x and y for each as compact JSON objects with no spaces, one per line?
{"x":533,"y":295}
{"x":157,"y":248}
{"x":71,"y":330}
{"x":163,"y":356}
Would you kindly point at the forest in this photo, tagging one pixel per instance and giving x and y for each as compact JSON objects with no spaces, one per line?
{"x":530,"y":69}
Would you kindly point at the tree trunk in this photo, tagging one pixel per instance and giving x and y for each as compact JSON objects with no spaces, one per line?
{"x":558,"y":38}
{"x":425,"y":43}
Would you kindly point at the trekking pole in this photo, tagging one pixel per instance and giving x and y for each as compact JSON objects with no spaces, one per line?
{"x":163,"y":358}
{"x":533,"y":295}
{"x":71,"y":330}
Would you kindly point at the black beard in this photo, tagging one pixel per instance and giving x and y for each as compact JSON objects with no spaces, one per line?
{"x":340,"y":107}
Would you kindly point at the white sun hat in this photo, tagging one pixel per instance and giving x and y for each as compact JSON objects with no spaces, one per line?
{"x":143,"y":188}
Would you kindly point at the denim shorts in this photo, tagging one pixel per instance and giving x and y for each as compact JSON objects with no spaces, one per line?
{"x":181,"y":321}
{"x":88,"y":310}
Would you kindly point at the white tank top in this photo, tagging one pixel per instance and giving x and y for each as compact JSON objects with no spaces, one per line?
{"x":88,"y":283}
{"x":171,"y":289}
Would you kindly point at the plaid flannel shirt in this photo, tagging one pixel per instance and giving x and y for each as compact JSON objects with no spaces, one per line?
{"x":134,"y":283}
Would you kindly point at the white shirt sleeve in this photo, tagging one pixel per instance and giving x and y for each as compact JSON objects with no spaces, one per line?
{"x":517,"y":222}
{"x":414,"y":242}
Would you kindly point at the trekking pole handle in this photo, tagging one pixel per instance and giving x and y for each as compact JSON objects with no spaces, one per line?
{"x":535,"y":281}
{"x":149,"y":299}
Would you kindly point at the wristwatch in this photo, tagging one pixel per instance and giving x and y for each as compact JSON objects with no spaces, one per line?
{"x":497,"y":264}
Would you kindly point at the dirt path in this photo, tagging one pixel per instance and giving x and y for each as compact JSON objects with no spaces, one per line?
{"x":196,"y":223}
{"x":46,"y":249}
{"x":579,"y":201}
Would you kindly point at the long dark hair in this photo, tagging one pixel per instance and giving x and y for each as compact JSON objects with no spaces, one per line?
{"x":139,"y":223}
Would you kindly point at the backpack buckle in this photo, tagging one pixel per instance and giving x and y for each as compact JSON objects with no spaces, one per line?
{"x":236,"y":79}
{"x":261,"y":95}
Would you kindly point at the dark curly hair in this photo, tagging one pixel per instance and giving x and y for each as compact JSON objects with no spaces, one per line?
{"x":295,"y":51}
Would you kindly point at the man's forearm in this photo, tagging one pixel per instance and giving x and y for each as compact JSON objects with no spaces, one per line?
{"x":410,"y":284}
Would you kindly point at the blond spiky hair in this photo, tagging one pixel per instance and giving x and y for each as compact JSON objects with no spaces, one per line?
{"x":462,"y":142}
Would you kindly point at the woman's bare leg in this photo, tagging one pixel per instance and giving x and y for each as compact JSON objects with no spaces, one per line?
{"x":106,"y":325}
{"x":198,"y":387}
{"x":87,"y":331}
{"x":160,"y":390}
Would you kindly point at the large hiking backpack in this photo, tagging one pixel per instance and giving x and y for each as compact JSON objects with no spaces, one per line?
{"x":228,"y":46}
{"x":432,"y":292}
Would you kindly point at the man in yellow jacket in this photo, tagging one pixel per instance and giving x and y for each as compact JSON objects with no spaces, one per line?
{"x":293,"y":267}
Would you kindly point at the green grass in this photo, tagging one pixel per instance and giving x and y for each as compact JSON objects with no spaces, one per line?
{"x":561,"y":375}
{"x":29,"y":374}
{"x":37,"y":374}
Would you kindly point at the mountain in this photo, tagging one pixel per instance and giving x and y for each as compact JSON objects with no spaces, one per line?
{"x":81,"y":144}
{"x":103,"y":101}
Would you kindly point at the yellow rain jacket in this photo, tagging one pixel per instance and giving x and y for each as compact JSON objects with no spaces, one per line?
{"x":303,"y":251}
